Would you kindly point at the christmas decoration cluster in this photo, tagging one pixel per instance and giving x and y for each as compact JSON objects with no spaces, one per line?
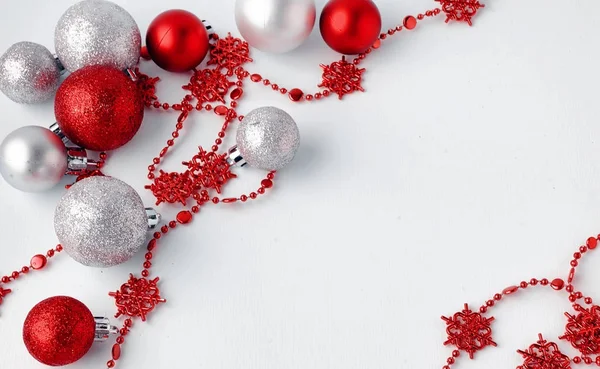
{"x":100,"y":98}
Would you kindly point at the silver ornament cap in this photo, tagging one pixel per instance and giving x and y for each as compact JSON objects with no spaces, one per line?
{"x":33,"y":159}
{"x":268,"y":138}
{"x":97,"y":32}
{"x":275,"y":26}
{"x":101,"y":222}
{"x":29,"y":73}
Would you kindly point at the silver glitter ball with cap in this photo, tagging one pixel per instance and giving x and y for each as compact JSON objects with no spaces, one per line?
{"x":97,"y":32}
{"x":101,"y":222}
{"x":267,"y":138}
{"x":29,"y":73}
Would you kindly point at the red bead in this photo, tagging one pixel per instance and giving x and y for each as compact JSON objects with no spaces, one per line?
{"x":557,"y":284}
{"x":148,"y":256}
{"x":172,"y":224}
{"x":410,"y":22}
{"x":110,"y":364}
{"x":59,"y":248}
{"x":59,"y":331}
{"x":523,"y":284}
{"x":592,"y":243}
{"x":296,"y":94}
{"x":221,"y":110}
{"x":50,"y":253}
{"x":120,"y":340}
{"x":215,"y":200}
{"x":25,"y":270}
{"x":266,"y":183}
{"x":377,"y":44}
{"x":116,"y":351}
{"x":236,"y":94}
{"x":350,"y":26}
{"x":151,"y":244}
{"x":145,"y":273}
{"x":147,"y":264}
{"x":256,"y":78}
{"x":544,"y":282}
{"x":15,"y":275}
{"x":230,"y":200}
{"x":144,"y":53}
{"x":177,"y":40}
{"x":243,"y":198}
{"x":38,"y":262}
{"x":184,"y":217}
{"x":164,"y":229}
{"x":195,"y":209}
{"x":253,"y":195}
{"x":112,"y":104}
{"x":510,"y":290}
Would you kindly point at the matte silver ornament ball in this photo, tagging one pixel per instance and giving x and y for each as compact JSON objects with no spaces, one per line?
{"x":33,"y":159}
{"x":268,"y":138}
{"x":97,"y":32}
{"x":101,"y":222}
{"x":275,"y":26}
{"x":29,"y":73}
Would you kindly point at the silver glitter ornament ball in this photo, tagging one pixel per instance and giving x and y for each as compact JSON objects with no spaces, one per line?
{"x":97,"y":32}
{"x":101,"y":222}
{"x":268,"y":138}
{"x":275,"y":26}
{"x":33,"y":159}
{"x":29,"y":73}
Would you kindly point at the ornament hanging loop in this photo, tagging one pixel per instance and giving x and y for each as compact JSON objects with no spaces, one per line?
{"x":104,"y":329}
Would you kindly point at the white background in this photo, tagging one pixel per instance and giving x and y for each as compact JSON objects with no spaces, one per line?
{"x":470,"y":163}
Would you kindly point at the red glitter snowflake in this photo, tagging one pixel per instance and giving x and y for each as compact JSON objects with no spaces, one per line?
{"x":209,"y":170}
{"x":137,"y":297}
{"x":460,"y":10}
{"x":544,"y":355}
{"x":3,"y":293}
{"x":469,"y":331}
{"x":583,"y":330}
{"x":229,"y":53}
{"x":342,"y":77}
{"x":172,"y":187}
{"x":209,"y":85}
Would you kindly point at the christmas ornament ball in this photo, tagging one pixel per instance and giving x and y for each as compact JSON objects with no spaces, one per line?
{"x":99,"y":108}
{"x":268,"y":138}
{"x":32,"y":159}
{"x":177,"y":40}
{"x":29,"y":73}
{"x":101,"y":222}
{"x":275,"y":26}
{"x":350,"y":26}
{"x":59,"y":331}
{"x":97,"y":32}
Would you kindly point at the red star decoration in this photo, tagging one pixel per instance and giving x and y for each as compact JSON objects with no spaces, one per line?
{"x":137,"y":297}
{"x":172,"y":187}
{"x":209,"y":85}
{"x":460,"y":10}
{"x":583,"y":330}
{"x":469,"y":331}
{"x":3,"y":293}
{"x":209,"y":170}
{"x":229,"y":53}
{"x":544,"y":355}
{"x":342,"y":77}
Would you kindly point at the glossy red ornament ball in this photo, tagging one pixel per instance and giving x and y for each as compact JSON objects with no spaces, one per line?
{"x":350,"y":26}
{"x":99,"y":108}
{"x":59,"y":331}
{"x":177,"y":41}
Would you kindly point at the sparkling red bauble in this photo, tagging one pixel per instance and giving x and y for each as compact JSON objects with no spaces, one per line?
{"x":59,"y":331}
{"x":99,"y":108}
{"x":350,"y":26}
{"x":177,"y":40}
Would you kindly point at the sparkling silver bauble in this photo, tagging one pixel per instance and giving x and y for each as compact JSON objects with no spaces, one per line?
{"x":33,"y":159}
{"x":96,"y":32}
{"x":268,"y":138}
{"x":275,"y":26}
{"x":29,"y":73}
{"x":101,"y":222}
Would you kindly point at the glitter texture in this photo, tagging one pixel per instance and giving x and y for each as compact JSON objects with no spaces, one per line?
{"x":268,"y":138}
{"x":59,"y":331}
{"x":99,"y":108}
{"x":97,"y":32}
{"x":101,"y":222}
{"x":29,"y":73}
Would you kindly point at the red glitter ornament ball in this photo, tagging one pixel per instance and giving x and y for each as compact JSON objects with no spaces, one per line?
{"x":59,"y":331}
{"x":350,"y":26}
{"x":177,"y":41}
{"x":99,"y":108}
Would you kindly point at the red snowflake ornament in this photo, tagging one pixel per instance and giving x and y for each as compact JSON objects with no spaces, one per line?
{"x":3,"y":293}
{"x":209,"y":85}
{"x":583,"y":330}
{"x":544,"y":355}
{"x":147,"y":86}
{"x":229,"y":53}
{"x":469,"y":331}
{"x":460,"y":10}
{"x":172,"y":187}
{"x":342,"y":77}
{"x":209,"y":170}
{"x":137,"y":297}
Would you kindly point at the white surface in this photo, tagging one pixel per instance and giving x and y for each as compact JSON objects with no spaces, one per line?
{"x":470,"y":163}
